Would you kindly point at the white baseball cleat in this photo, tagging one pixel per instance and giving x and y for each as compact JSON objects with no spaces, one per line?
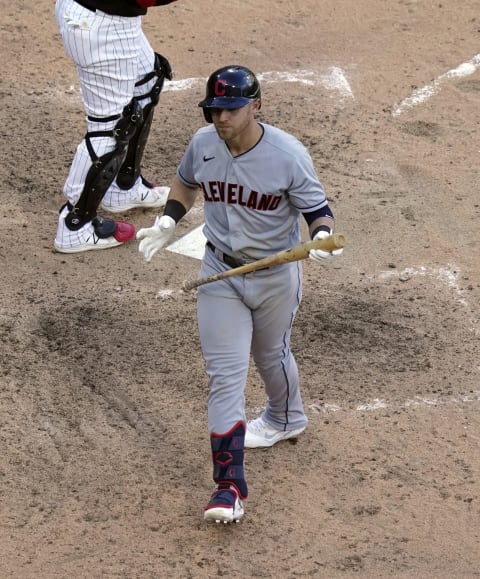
{"x":143,"y":195}
{"x":87,"y":237}
{"x":259,"y":434}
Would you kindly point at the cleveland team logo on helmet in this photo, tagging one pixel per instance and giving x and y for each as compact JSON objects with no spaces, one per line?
{"x":230,"y":87}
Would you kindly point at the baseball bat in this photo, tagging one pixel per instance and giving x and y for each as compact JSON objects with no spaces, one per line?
{"x":334,"y":241}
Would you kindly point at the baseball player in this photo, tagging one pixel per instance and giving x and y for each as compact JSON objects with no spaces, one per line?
{"x":121,"y":78}
{"x":256,"y":181}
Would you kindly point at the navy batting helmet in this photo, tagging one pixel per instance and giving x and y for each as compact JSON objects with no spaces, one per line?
{"x":230,"y":87}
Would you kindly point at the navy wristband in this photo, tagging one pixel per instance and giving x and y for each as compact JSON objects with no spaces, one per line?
{"x":174,"y":209}
{"x":322,"y":228}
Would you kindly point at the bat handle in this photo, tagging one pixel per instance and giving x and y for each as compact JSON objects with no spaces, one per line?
{"x":330,"y":243}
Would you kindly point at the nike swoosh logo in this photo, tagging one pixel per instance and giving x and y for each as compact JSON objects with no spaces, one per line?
{"x":205,"y":158}
{"x":95,"y":239}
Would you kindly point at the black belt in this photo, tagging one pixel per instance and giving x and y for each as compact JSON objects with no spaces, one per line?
{"x":86,"y":5}
{"x":228,"y":259}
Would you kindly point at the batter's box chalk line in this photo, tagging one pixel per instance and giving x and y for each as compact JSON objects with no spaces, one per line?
{"x":420,"y":95}
{"x":333,"y":79}
{"x":447,"y":274}
{"x":381,"y":404}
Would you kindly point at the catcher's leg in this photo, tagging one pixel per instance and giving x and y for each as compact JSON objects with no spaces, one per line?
{"x":226,"y":503}
{"x":79,"y":228}
{"x":104,"y":168}
{"x":130,"y":189}
{"x":131,"y":168}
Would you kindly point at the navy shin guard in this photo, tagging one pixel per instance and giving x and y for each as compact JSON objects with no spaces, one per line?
{"x":228,"y":457}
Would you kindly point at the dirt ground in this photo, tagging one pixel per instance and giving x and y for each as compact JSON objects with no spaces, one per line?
{"x":104,"y":463}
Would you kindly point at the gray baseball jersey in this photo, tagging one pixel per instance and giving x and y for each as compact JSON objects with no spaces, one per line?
{"x":253,"y":201}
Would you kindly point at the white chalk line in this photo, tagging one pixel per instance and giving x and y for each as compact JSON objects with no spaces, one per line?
{"x":333,"y":79}
{"x":378,"y":404}
{"x":447,"y":274}
{"x":382,"y":404}
{"x":421,"y":95}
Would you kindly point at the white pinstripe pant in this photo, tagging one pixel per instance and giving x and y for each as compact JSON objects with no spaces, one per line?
{"x":111,"y":54}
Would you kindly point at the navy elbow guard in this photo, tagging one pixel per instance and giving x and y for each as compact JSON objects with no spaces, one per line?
{"x":325,"y":211}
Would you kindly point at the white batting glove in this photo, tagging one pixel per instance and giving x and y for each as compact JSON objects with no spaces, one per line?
{"x":320,"y":254}
{"x":155,"y":237}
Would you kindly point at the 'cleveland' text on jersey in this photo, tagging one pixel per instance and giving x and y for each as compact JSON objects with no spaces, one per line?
{"x":234,"y":194}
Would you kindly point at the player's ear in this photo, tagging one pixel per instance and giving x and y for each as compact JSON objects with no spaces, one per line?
{"x":257,"y":104}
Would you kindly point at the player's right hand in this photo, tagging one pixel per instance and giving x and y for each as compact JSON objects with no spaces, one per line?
{"x":155,"y":237}
{"x":320,"y":254}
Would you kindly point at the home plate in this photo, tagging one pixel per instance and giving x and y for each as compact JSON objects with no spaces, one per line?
{"x":192,"y":244}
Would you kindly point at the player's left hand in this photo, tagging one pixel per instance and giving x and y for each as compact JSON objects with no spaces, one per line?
{"x":320,"y":254}
{"x":155,"y":237}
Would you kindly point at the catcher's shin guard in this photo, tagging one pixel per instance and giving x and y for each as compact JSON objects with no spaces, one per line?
{"x":131,"y":167}
{"x":104,"y":169}
{"x":228,"y":456}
